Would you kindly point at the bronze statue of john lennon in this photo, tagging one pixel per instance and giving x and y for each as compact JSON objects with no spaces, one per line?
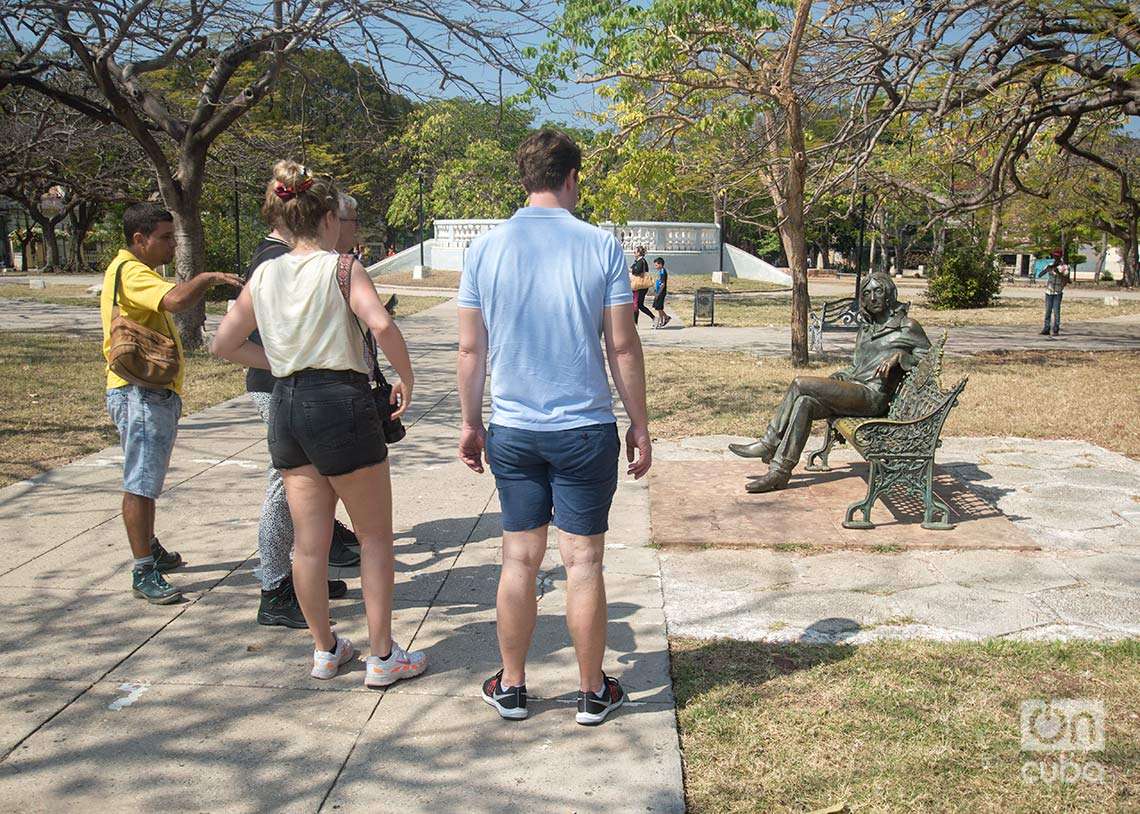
{"x":888,"y":344}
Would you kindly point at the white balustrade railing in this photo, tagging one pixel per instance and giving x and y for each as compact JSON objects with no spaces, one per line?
{"x":655,"y":236}
{"x":663,"y":236}
{"x":458,"y":234}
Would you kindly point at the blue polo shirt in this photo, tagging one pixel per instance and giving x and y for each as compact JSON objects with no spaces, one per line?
{"x":542,"y":280}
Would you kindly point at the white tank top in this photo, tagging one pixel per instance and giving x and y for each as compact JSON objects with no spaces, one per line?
{"x":302,"y":317}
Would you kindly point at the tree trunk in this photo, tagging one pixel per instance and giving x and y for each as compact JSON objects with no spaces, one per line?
{"x":994,"y":234}
{"x":47,"y":226}
{"x":939,"y":244}
{"x":1130,"y":270}
{"x":82,"y":218}
{"x":1101,"y":257}
{"x":190,"y":260}
{"x":183,"y":197}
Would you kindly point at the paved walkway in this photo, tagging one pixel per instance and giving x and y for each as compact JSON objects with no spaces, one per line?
{"x":1077,"y":501}
{"x":113,"y":704}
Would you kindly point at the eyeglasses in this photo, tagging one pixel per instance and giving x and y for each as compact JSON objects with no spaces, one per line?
{"x":350,"y":220}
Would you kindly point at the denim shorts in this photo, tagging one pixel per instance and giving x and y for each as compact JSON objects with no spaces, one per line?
{"x":147,"y":420}
{"x":326,"y":418}
{"x":571,"y":474}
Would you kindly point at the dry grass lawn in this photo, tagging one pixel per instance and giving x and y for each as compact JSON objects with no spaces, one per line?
{"x":1087,"y":396}
{"x":435,"y":279}
{"x":901,"y":726}
{"x":688,"y":283}
{"x":773,"y":312}
{"x":52,"y":406}
{"x":52,"y":396}
{"x":56,"y":294}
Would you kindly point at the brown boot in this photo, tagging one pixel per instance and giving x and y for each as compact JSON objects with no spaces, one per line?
{"x":757,"y":449}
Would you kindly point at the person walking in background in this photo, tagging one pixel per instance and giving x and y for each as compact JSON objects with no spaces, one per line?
{"x":278,"y":604}
{"x":553,"y":441}
{"x":325,"y":434}
{"x":640,"y":281}
{"x":147,"y":417}
{"x":1056,"y":276}
{"x":660,"y":288}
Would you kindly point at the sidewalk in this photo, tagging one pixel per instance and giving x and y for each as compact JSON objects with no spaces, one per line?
{"x":1117,"y":335}
{"x":113,"y":704}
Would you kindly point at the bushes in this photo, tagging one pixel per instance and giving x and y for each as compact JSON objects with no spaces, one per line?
{"x":965,"y":277}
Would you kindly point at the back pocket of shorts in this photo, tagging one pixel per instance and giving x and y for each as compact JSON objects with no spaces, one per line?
{"x":330,"y":425}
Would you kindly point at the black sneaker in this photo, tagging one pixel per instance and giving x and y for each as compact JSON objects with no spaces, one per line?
{"x":280,"y":607}
{"x":593,"y":708}
{"x":338,"y":588}
{"x":164,"y":560}
{"x":153,"y":587}
{"x":346,"y":535}
{"x":511,"y":704}
{"x":340,"y":555}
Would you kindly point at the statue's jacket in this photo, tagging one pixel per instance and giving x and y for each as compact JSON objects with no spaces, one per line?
{"x":876,"y":342}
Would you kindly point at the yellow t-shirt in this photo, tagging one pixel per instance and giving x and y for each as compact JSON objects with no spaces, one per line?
{"x":141,"y":290}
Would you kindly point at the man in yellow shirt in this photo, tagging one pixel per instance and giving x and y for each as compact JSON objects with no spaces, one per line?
{"x":147,"y":417}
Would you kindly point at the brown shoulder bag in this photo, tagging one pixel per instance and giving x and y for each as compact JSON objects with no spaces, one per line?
{"x":139,"y":354}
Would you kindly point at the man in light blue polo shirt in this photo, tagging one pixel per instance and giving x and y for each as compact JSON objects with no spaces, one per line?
{"x":538,"y":295}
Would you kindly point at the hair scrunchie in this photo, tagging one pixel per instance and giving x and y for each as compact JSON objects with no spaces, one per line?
{"x":288,"y":193}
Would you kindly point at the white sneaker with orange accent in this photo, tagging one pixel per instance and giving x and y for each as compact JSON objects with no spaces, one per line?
{"x":326,"y":664}
{"x":399,"y":665}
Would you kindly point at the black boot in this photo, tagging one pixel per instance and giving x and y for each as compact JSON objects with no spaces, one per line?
{"x":346,"y":535}
{"x":340,"y":555}
{"x":777,"y":478}
{"x":757,"y":449}
{"x":279,"y":607}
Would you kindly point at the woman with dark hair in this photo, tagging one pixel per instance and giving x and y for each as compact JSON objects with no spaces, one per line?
{"x":640,"y":282}
{"x":325,"y":435}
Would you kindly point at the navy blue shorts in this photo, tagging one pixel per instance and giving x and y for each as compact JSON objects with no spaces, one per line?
{"x":571,"y":474}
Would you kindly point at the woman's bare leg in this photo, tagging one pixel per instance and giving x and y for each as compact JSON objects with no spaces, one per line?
{"x":311,"y":506}
{"x":367,"y":495}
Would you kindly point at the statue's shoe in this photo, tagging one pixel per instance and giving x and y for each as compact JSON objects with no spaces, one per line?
{"x":771,"y":482}
{"x":757,"y":449}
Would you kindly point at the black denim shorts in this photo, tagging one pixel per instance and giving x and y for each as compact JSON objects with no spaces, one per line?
{"x":326,"y":418}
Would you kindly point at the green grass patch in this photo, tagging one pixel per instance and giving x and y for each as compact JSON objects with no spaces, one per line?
{"x":900,"y":726}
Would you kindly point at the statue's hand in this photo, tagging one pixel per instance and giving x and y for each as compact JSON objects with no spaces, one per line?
{"x":838,"y":375}
{"x":884,"y":370}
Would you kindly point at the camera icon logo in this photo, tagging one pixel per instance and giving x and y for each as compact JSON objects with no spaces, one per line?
{"x":1062,"y":725}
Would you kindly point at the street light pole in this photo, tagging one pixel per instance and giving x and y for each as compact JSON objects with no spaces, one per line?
{"x":237,"y":227}
{"x":420,"y":178}
{"x":723,"y":207}
{"x":859,"y":256}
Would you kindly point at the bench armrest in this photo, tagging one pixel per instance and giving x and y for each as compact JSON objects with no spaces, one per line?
{"x":885,"y":437}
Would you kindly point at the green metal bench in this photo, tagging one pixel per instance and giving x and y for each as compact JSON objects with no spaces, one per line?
{"x":899,"y":447}
{"x":834,"y":315}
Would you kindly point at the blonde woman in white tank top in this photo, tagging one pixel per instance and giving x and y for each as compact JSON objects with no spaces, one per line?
{"x":325,"y":435}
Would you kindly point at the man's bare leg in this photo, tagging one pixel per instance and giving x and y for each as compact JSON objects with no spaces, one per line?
{"x":515,"y":604}
{"x":585,"y":604}
{"x":138,"y":517}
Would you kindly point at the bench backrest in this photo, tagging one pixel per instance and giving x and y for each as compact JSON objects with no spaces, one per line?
{"x":835,"y":308}
{"x":921,"y":391}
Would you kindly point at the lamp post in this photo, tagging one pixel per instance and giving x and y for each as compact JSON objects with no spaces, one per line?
{"x":859,"y":255}
{"x":237,"y":226}
{"x":722,"y":198}
{"x":418,"y":271}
